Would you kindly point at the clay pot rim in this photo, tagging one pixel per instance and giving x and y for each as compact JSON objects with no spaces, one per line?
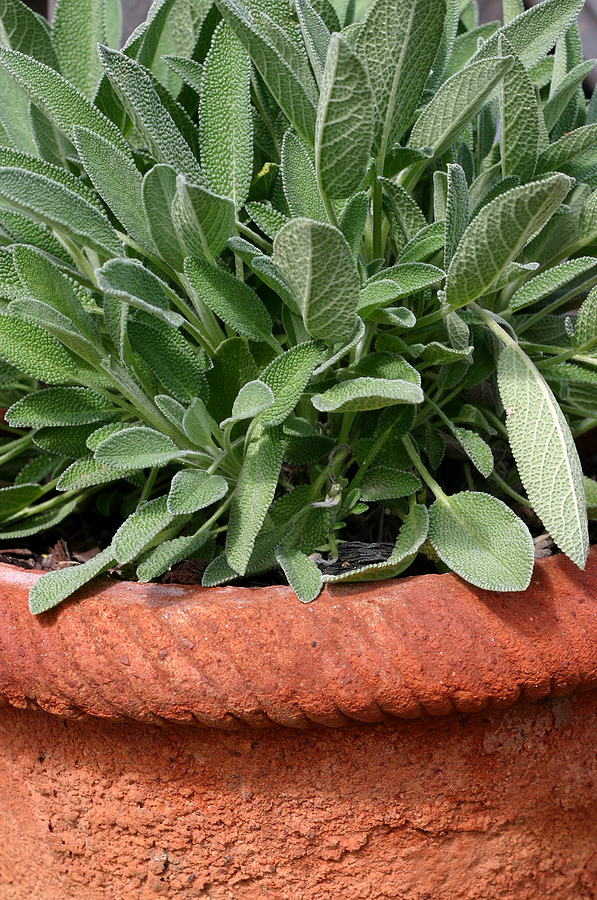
{"x":227,"y":657}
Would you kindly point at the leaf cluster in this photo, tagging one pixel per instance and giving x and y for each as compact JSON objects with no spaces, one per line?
{"x":270,"y":273}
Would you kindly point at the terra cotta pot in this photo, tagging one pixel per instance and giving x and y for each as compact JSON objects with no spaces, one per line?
{"x":162,"y":740}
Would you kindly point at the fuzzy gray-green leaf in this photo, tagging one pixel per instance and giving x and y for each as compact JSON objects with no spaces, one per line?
{"x":232,"y":300}
{"x":345,"y":121}
{"x":407,"y":32}
{"x":193,"y":489}
{"x":519,"y":119}
{"x":253,"y":495}
{"x":140,"y":528}
{"x":33,"y":351}
{"x":53,"y":588}
{"x":59,"y":406}
{"x":544,"y":284}
{"x":544,"y":451}
{"x":77,"y":28}
{"x":367,"y":393}
{"x":482,"y":540}
{"x":204,"y":220}
{"x":287,"y":376}
{"x":225,"y":116}
{"x":158,"y":192}
{"x":303,"y":575}
{"x":317,"y":263}
{"x":456,"y":103}
{"x":497,"y":235}
{"x":137,"y":448}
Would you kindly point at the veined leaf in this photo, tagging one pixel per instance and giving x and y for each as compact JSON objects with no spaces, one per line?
{"x":117,"y":180}
{"x":61,"y":102}
{"x":33,"y":351}
{"x":317,"y":263}
{"x":233,"y":366}
{"x":568,"y":147}
{"x":300,"y":181}
{"x":385,"y":483}
{"x":253,"y":398}
{"x":15,"y":498}
{"x":287,"y":378}
{"x":354,"y":219}
{"x":367,"y":393}
{"x":556,"y":105}
{"x":253,"y":495}
{"x":482,"y":540}
{"x":169,"y":553}
{"x":316,"y":37}
{"x":424,"y":244}
{"x":143,"y":104}
{"x":475,"y":448}
{"x":42,"y":522}
{"x":158,"y":192}
{"x":519,"y":118}
{"x":535,"y":32}
{"x":544,"y":451}
{"x":407,"y":211}
{"x":203,"y":220}
{"x":68,"y":441}
{"x":412,"y":535}
{"x":585,"y":332}
{"x":137,"y":448}
{"x":59,"y":406}
{"x":128,"y":280}
{"x":232,"y":300}
{"x":168,"y":354}
{"x":23,"y":30}
{"x":51,"y":589}
{"x":301,"y":572}
{"x":282,"y":81}
{"x":23,"y":230}
{"x":291,"y":51}
{"x":87,"y":472}
{"x":345,"y":122}
{"x":225,"y":116}
{"x":497,"y":235}
{"x":193,"y":489}
{"x":42,"y":279}
{"x":268,"y":219}
{"x":456,"y":103}
{"x":58,"y":206}
{"x":14,"y":115}
{"x":140,"y":528}
{"x":544,"y":284}
{"x":457,"y":212}
{"x":77,"y":28}
{"x":408,"y":32}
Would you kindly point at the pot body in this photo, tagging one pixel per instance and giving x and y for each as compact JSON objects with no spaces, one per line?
{"x":498,"y":804}
{"x":442,"y":742}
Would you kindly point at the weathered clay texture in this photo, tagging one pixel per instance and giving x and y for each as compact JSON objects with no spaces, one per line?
{"x":231,"y":656}
{"x":499,"y":805}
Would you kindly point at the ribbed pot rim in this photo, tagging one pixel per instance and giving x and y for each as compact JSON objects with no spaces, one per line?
{"x":229,"y":656}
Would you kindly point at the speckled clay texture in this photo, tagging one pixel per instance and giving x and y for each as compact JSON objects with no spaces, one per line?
{"x":466,"y":768}
{"x":500,"y":805}
{"x":230,"y":656}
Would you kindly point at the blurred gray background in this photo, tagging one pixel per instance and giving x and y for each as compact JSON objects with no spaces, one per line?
{"x":135,"y":11}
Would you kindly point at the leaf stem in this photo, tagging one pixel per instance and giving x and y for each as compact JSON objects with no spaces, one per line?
{"x":508,"y":490}
{"x":425,"y":475}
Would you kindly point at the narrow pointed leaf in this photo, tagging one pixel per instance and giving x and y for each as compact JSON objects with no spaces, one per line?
{"x":457,"y":212}
{"x":385,"y":483}
{"x":23,"y":30}
{"x":345,"y":121}
{"x":497,"y":235}
{"x":128,"y":280}
{"x":158,"y":192}
{"x":316,"y":37}
{"x":456,"y":103}
{"x":87,"y":472}
{"x":545,"y":454}
{"x":51,"y":589}
{"x":117,"y":180}
{"x":253,"y":495}
{"x":519,"y":119}
{"x":300,"y":181}
{"x":169,"y":553}
{"x":57,"y":98}
{"x":408,"y":32}
{"x":203,"y":220}
{"x":232,"y":300}
{"x":15,"y":498}
{"x":551,"y":280}
{"x":77,"y":28}
{"x":287,"y":377}
{"x":301,"y":572}
{"x":140,"y":528}
{"x":282,"y":81}
{"x":225,"y":116}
